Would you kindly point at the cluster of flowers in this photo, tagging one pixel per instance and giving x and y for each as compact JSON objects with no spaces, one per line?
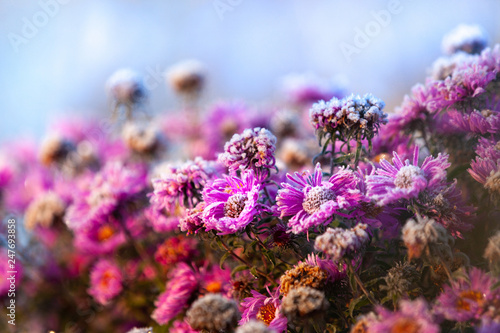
{"x":247,"y":234}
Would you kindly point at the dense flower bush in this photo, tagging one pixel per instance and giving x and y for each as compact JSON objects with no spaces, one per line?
{"x":389,"y":225}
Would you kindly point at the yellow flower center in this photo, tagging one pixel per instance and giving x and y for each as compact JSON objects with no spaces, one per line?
{"x":267,"y":313}
{"x":105,"y":232}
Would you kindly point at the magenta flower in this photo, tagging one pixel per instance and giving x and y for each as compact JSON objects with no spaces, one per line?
{"x":406,"y":181}
{"x":479,"y":122}
{"x":468,"y":299}
{"x":103,"y":194}
{"x":254,"y":149}
{"x":331,"y":268}
{"x":102,"y":236}
{"x":412,"y":316}
{"x":231,"y":203}
{"x":105,"y":281}
{"x":313,"y":202}
{"x":192,"y":221}
{"x":486,"y":167}
{"x":265,"y":309}
{"x":183,"y":283}
{"x":182,"y":185}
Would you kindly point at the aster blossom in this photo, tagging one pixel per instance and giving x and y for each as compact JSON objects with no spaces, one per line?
{"x":339,"y":243}
{"x":174,"y":299}
{"x":313,"y":202}
{"x":468,"y":298}
{"x":105,"y":281}
{"x":264,"y":308}
{"x":231,"y":203}
{"x":412,"y":316}
{"x":406,"y":181}
{"x":254,"y":149}
{"x":182,"y":184}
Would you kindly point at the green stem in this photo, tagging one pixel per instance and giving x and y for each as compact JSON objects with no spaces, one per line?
{"x":359,"y":282}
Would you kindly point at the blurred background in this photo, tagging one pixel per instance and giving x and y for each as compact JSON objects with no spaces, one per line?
{"x":55,"y":55}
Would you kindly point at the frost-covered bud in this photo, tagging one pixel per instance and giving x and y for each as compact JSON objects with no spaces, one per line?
{"x":141,"y":330}
{"x":254,"y":149}
{"x":141,"y":138}
{"x":492,"y":184}
{"x":186,"y":77}
{"x":44,"y":211}
{"x":303,"y":303}
{"x":339,"y":243}
{"x":126,"y":86}
{"x":55,"y":149}
{"x":350,"y":116}
{"x":444,"y":66}
{"x":213,"y":313}
{"x":471,"y":39}
{"x":295,"y":153}
{"x":254,"y":326}
{"x":285,"y":123}
{"x":420,"y":234}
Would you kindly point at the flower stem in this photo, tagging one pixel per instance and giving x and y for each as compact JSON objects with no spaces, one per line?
{"x":359,"y":282}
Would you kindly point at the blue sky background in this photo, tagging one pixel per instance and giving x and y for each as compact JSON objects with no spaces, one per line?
{"x":62,"y":68}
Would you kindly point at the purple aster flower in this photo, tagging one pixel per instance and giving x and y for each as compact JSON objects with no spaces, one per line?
{"x":352,"y":114}
{"x":193,"y":219}
{"x":313,"y":202}
{"x":265,"y":309}
{"x":102,"y":236}
{"x":465,"y":38}
{"x":183,"y":283}
{"x":486,"y":167}
{"x":161,"y":220}
{"x":469,"y":79}
{"x":331,"y":268}
{"x":406,"y":181}
{"x":182,"y":185}
{"x":412,"y":316}
{"x":468,"y":299}
{"x":491,"y":58}
{"x":231,"y":203}
{"x":105,"y":281}
{"x":254,"y":149}
{"x":340,"y":243}
{"x":479,"y":122}
{"x":104,"y":194}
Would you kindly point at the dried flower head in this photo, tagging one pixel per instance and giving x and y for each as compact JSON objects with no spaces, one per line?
{"x":55,"y":149}
{"x":285,"y":123}
{"x":213,"y":313}
{"x":401,"y":280}
{"x":126,"y":87}
{"x":304,"y":303}
{"x":141,"y":330}
{"x":254,"y":326}
{"x":141,"y":138}
{"x":44,"y":211}
{"x":339,"y":243}
{"x":424,"y":234}
{"x":186,"y":77}
{"x":303,"y":275}
{"x":471,"y":39}
{"x":492,"y":252}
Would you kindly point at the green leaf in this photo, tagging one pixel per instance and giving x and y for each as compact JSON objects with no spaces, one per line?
{"x":223,"y":258}
{"x":238,"y":269}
